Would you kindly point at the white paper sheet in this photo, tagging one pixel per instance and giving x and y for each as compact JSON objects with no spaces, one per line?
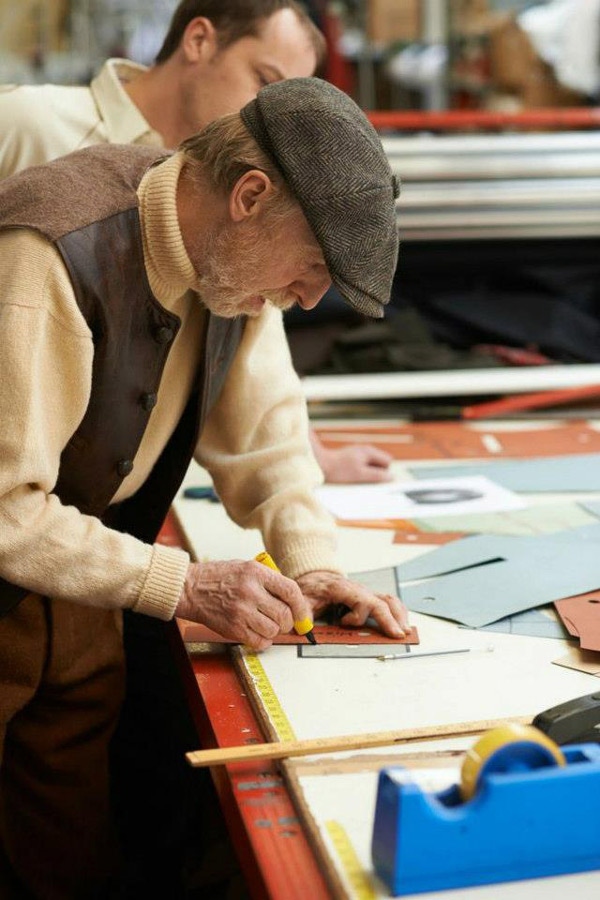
{"x":417,"y":499}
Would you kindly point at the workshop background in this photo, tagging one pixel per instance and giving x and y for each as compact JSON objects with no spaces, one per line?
{"x":390,"y":54}
{"x":487,"y":110}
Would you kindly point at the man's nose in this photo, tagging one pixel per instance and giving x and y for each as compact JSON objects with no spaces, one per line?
{"x":311,"y":292}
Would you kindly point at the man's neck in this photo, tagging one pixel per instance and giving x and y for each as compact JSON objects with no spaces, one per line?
{"x":156,"y":94}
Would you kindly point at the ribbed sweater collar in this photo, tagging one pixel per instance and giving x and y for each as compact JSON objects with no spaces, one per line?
{"x":170,"y":271}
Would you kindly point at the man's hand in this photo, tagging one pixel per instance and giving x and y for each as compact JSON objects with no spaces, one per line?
{"x":242,"y":600}
{"x":357,"y":464}
{"x":322,"y":589}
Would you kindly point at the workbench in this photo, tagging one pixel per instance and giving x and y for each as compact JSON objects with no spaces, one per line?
{"x":267,"y":806}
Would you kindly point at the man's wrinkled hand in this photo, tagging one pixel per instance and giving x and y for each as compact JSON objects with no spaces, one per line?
{"x":242,"y":600}
{"x":322,"y":589}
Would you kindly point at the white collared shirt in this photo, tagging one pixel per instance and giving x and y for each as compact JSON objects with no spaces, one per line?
{"x":39,"y":123}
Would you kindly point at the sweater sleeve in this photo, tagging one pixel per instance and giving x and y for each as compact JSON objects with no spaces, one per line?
{"x":255,"y":445}
{"x":46,"y":355}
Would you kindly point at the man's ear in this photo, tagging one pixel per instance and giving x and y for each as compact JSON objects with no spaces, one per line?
{"x":199,"y":40}
{"x":249,"y":195}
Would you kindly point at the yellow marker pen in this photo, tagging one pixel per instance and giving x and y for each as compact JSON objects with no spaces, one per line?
{"x":304,"y":626}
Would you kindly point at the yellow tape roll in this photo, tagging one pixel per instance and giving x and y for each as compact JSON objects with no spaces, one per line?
{"x":508,"y":748}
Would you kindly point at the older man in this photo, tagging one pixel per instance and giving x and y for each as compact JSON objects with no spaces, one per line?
{"x":141,"y":318}
{"x":215,"y":57}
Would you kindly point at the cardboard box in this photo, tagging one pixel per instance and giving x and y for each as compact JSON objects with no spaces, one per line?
{"x":516,"y":68}
{"x":511,"y":56}
{"x":29,"y":26}
{"x":392,"y":21}
{"x":541,"y":89}
{"x":471,"y":17}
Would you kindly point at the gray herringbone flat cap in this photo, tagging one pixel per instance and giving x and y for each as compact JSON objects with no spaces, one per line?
{"x":332,"y":160}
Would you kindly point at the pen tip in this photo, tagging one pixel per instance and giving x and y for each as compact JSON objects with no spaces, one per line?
{"x":310,"y":637}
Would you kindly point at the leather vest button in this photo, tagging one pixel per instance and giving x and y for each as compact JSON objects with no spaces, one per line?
{"x":163,"y":335}
{"x":148,"y":401}
{"x":124,"y":467}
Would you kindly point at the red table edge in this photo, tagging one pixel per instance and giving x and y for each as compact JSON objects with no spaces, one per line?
{"x":273,"y":865}
{"x":568,"y":118}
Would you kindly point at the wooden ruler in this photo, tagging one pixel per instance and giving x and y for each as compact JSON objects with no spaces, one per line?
{"x":286,"y":749}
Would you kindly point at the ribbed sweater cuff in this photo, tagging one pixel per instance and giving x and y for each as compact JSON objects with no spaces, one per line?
{"x":164,"y":581}
{"x":309,"y":556}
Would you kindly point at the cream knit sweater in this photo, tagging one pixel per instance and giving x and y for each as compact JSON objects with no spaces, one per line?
{"x":255,"y":443}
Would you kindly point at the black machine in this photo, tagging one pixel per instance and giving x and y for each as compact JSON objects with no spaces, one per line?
{"x":574,"y":722}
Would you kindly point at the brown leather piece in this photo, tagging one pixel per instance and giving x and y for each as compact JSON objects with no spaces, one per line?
{"x":581,"y":617}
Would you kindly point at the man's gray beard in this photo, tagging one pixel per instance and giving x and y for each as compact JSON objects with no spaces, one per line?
{"x":218,"y":302}
{"x":220,"y":296}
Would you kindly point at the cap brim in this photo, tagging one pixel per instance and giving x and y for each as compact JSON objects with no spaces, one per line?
{"x":362,"y":302}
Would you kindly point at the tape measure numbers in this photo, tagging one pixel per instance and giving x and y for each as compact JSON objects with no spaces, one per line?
{"x":269,"y":698}
{"x":358,"y":879}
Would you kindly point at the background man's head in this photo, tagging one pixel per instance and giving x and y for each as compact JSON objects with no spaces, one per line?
{"x":237,"y":19}
{"x":224,"y":51}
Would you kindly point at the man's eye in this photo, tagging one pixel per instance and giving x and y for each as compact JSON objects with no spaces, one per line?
{"x":262,"y":79}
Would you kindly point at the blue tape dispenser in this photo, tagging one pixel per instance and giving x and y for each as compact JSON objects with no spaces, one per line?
{"x":524,"y":808}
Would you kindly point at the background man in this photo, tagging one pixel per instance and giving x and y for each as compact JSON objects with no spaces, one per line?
{"x":215,"y":57}
{"x":141,"y":306}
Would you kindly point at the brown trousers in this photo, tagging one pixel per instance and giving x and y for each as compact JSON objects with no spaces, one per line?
{"x":61,"y":687}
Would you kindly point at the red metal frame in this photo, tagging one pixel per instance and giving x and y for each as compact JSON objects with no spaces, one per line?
{"x":271,"y":845}
{"x":574,"y":118}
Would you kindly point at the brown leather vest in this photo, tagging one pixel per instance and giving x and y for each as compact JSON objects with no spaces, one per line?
{"x":86,"y":204}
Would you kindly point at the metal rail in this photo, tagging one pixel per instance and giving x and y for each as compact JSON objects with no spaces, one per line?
{"x":497,"y":186}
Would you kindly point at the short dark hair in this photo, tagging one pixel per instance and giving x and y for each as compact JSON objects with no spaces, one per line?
{"x":235,"y":19}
